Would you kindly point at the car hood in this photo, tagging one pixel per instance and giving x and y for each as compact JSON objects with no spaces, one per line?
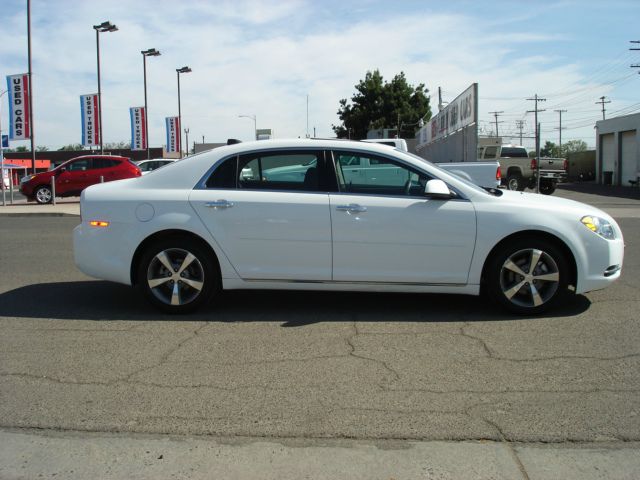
{"x":552,"y":204}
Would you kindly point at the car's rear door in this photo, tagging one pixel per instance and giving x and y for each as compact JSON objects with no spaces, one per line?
{"x":269,"y":213}
{"x":386,"y":230}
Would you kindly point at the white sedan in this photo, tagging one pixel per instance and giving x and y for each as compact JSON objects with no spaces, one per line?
{"x":225,"y":220}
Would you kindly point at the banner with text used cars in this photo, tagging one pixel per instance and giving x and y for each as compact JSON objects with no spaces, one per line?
{"x":19,"y":120}
{"x":138,"y":128}
{"x":173,"y":134}
{"x":90,"y":120}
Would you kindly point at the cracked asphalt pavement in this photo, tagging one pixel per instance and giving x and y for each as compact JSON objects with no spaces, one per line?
{"x":78,"y":354}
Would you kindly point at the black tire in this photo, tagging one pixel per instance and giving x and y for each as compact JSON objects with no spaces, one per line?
{"x":547,"y":187}
{"x":511,"y":283}
{"x":43,"y":194}
{"x":515,"y":182}
{"x":189,"y":286}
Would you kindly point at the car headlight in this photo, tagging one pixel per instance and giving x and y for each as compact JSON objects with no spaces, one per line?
{"x":26,"y":179}
{"x":600,"y":226}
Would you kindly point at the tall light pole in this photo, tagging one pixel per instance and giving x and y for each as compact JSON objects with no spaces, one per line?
{"x":31,"y":129}
{"x":178,"y":72}
{"x":151,"y":52}
{"x":186,"y":132}
{"x":103,"y":27}
{"x":255,"y":124}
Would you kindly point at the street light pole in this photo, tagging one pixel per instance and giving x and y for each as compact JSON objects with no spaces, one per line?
{"x":103,"y":27}
{"x":178,"y":72}
{"x":31,"y":129}
{"x":255,"y":124}
{"x":151,"y":52}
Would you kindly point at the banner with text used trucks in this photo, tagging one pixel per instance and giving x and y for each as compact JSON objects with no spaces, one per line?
{"x":138,"y":128}
{"x":19,"y":120}
{"x":89,"y":119}
{"x":173,"y":134}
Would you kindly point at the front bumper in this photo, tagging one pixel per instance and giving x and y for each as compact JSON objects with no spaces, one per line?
{"x":604,"y":264}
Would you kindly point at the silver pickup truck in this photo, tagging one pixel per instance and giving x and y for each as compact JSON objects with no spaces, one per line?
{"x":518,"y":171}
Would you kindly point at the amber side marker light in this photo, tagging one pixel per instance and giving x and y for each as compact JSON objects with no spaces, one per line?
{"x":98,"y":223}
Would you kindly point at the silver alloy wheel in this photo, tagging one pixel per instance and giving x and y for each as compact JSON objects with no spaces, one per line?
{"x":175,"y":276}
{"x":513,"y":183}
{"x":43,"y":195}
{"x":529,"y":278}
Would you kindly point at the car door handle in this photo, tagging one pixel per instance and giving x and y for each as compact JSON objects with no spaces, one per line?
{"x":219,"y":204}
{"x":351,"y":208}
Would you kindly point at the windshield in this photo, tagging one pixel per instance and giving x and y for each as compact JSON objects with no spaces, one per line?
{"x":460,"y":179}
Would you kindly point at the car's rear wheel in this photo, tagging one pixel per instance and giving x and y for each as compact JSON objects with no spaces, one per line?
{"x":515,"y":182}
{"x":528,"y":276}
{"x":547,"y":187}
{"x":43,"y":194}
{"x":178,"y":275}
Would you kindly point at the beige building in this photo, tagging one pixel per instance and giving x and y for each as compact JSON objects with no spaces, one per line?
{"x":618,"y":150}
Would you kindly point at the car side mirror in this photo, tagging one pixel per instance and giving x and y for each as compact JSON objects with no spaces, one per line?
{"x":437,"y":189}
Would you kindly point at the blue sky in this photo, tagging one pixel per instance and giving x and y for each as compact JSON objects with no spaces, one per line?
{"x":263,"y":58}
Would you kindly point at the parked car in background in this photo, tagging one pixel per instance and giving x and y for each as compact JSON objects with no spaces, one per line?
{"x":483,"y":174}
{"x":73,"y":176}
{"x":519,"y":171}
{"x":147,"y":166}
{"x":293,"y":214}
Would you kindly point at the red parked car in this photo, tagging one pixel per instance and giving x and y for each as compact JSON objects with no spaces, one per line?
{"x":77,"y":174}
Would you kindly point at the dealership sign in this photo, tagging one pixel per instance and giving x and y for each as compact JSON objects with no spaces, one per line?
{"x":19,"y":120}
{"x":138,"y":128}
{"x":173,"y":134}
{"x":90,"y":119}
{"x":458,"y":114}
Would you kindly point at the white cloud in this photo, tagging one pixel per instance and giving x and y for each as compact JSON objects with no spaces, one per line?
{"x":262,"y":58}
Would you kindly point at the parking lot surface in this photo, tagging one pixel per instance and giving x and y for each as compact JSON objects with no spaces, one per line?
{"x":80,"y":355}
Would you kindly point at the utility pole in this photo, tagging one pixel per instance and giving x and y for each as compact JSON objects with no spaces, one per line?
{"x":439,"y":99}
{"x":520,"y":126}
{"x":496,"y":114}
{"x":636,"y":42}
{"x":560,"y":127}
{"x":537,"y":99}
{"x":602,"y":102}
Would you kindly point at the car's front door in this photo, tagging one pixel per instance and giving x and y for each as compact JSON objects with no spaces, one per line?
{"x":386,"y":230}
{"x":75,"y":177}
{"x":269,"y":214}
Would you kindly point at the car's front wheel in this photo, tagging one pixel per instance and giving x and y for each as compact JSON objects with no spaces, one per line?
{"x":178,"y":275}
{"x":527,"y":276}
{"x":43,"y":194}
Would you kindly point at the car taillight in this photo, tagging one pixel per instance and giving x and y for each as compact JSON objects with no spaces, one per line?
{"x":565,"y":164}
{"x":534,"y":164}
{"x":498,"y":174}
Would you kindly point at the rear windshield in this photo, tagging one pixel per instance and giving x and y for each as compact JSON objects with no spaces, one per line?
{"x":513,"y":152}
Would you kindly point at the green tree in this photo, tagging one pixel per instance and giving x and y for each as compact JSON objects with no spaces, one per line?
{"x":573,"y":146}
{"x":72,"y":147}
{"x":379,"y":104}
{"x":550,"y":149}
{"x":117,"y":145}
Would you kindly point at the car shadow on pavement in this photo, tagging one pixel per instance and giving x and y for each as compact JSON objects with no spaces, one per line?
{"x":106,"y":301}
